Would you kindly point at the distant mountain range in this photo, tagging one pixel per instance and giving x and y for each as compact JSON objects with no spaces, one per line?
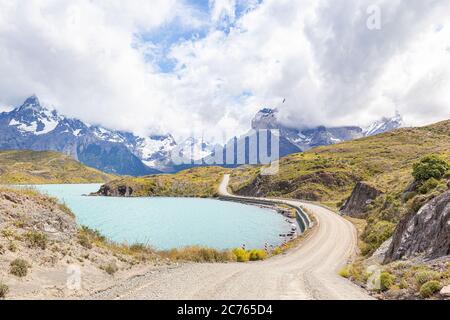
{"x":305,"y":139}
{"x":34,"y":127}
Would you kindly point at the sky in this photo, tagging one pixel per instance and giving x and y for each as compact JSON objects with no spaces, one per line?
{"x":206,"y":67}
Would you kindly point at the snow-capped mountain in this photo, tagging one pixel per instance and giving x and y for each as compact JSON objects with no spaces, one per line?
{"x":35,"y":127}
{"x":194,"y":149}
{"x":154,"y":151}
{"x":31,"y":118}
{"x":305,"y":139}
{"x":32,"y":126}
{"x":384,"y":125}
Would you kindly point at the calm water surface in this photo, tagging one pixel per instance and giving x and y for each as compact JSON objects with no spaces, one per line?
{"x":166,"y":223}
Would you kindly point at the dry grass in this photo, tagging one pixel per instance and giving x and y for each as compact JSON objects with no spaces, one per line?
{"x":198,"y":254}
{"x":45,"y":167}
{"x":199,"y":182}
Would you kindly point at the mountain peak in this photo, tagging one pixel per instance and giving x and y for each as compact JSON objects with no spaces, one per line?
{"x":31,"y":103}
{"x":385,"y":125}
{"x":266,"y":118}
{"x":268,"y":111}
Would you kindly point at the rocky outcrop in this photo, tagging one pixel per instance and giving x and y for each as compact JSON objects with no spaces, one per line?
{"x":425,"y":233}
{"x":107,"y":190}
{"x":34,"y":212}
{"x":362,"y":195}
{"x":304,"y":187}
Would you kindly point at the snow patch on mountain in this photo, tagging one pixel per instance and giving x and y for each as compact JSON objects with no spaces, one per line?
{"x":195,"y":149}
{"x":24,"y":127}
{"x":384,"y":125}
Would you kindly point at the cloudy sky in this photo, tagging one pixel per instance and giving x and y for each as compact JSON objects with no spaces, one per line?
{"x":155,"y":66}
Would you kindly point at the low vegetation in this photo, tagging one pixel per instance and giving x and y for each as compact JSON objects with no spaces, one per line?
{"x":199,"y":254}
{"x":405,"y":279}
{"x":387,"y":280}
{"x":19,"y":268}
{"x":111,"y":268}
{"x":257,"y":254}
{"x":90,"y":239}
{"x":37,"y":239}
{"x":4,"y":289}
{"x":241,"y":255}
{"x":429,"y":288}
{"x":430,"y":167}
{"x":199,"y":182}
{"x":45,"y":167}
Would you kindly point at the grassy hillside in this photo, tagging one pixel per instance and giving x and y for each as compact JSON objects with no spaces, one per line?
{"x":33,"y":167}
{"x":198,"y":182}
{"x":328,"y":174}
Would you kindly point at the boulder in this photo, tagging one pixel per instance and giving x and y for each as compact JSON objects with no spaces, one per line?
{"x":362,"y":195}
{"x":424,"y":234}
{"x":445,"y":291}
{"x":378,"y":256}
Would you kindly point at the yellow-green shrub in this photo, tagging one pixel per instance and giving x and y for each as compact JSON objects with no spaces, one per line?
{"x":425,"y":276}
{"x":257,"y":254}
{"x":241,"y":255}
{"x":111,"y":268}
{"x":375,"y":234}
{"x":345,"y":272}
{"x":37,"y":239}
{"x":429,"y":288}
{"x":277,"y":251}
{"x":19,"y":268}
{"x":199,"y":254}
{"x":387,"y":280}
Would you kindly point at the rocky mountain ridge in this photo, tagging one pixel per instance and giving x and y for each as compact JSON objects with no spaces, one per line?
{"x":35,"y":127}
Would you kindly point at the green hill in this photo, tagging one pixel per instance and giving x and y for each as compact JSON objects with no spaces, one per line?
{"x":45,"y":167}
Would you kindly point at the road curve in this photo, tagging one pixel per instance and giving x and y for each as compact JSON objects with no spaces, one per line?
{"x":306,"y":272}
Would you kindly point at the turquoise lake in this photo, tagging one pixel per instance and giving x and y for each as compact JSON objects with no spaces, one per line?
{"x":166,"y":223}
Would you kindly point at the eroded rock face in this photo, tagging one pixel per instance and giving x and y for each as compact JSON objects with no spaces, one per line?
{"x":36,"y":213}
{"x":362,"y":195}
{"x":425,"y":233}
{"x":115,"y":191}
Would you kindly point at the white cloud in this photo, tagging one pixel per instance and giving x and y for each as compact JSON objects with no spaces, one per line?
{"x":222,"y":9}
{"x":83,"y":57}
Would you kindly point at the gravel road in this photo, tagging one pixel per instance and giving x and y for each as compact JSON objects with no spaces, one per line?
{"x":306,"y":272}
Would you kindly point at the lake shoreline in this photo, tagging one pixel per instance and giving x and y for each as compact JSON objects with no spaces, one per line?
{"x":223,"y":219}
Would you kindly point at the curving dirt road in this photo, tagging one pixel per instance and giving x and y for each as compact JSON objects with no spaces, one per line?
{"x":306,"y":272}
